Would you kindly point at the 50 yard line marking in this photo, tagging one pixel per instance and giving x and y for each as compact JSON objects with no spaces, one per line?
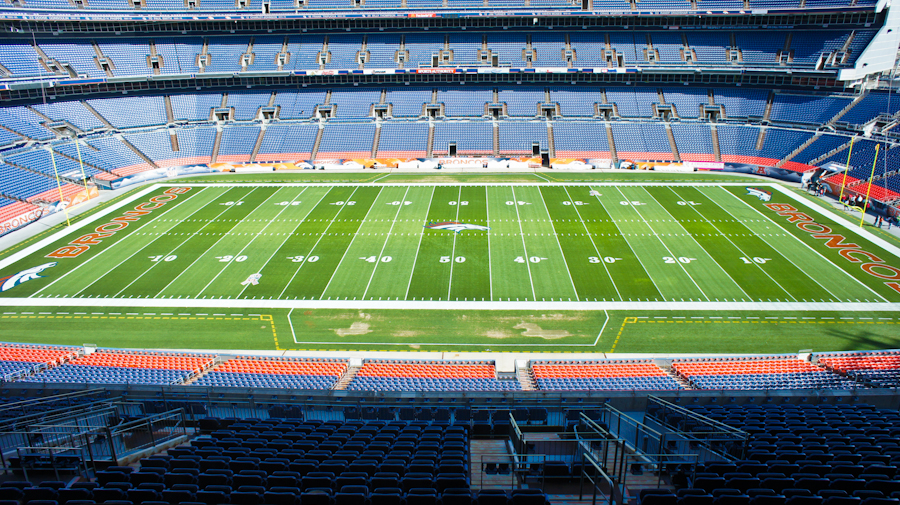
{"x":289,"y":235}
{"x":767,"y":218}
{"x":324,"y":232}
{"x":116,"y":243}
{"x":453,"y":249}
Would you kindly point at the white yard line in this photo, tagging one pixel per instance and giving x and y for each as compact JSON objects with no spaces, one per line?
{"x":142,"y":248}
{"x":210,"y":247}
{"x":757,"y":265}
{"x":494,"y":184}
{"x":5,"y":262}
{"x":853,"y":227}
{"x":386,"y":240}
{"x":633,"y":252}
{"x":663,"y":207}
{"x":453,"y":249}
{"x":522,"y":233}
{"x":175,"y":248}
{"x":558,"y":244}
{"x":487,"y":217}
{"x":466,"y":305}
{"x":594,"y":244}
{"x":839,"y":269}
{"x":350,"y":245}
{"x":288,"y":237}
{"x":260,"y":232}
{"x":141,"y":227}
{"x":785,"y":256}
{"x":663,"y":244}
{"x":321,"y":236}
{"x":421,"y":234}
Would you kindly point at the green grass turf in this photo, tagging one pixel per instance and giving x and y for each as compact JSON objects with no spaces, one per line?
{"x":437,"y":177}
{"x":546,"y":243}
{"x":287,"y":176}
{"x":545,"y":330}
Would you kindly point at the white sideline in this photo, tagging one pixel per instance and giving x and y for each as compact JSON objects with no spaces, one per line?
{"x":854,"y":227}
{"x":447,"y":305}
{"x":9,"y":260}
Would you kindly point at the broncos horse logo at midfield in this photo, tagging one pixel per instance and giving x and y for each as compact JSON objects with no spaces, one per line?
{"x":455,"y":226}
{"x":7,"y":283}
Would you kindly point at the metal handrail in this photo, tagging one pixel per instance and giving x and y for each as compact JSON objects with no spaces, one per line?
{"x":46,"y":399}
{"x":586,"y":457}
{"x":693,"y":415}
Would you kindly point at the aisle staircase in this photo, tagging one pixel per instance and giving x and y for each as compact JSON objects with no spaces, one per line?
{"x":347,"y":378}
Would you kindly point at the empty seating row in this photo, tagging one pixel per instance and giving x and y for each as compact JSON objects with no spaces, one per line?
{"x":842,"y":453}
{"x":85,"y":493}
{"x":762,"y":373}
{"x":248,"y":371}
{"x":115,"y":366}
{"x":601,"y":375}
{"x":429,"y":376}
{"x":229,"y":53}
{"x":880,"y":368}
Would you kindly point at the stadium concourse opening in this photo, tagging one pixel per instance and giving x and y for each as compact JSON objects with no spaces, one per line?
{"x":421,"y":252}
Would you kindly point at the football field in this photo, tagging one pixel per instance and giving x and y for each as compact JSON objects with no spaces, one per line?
{"x":492,"y":246}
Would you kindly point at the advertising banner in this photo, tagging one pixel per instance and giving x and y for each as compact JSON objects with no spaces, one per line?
{"x":775,"y":173}
{"x":16,"y":222}
{"x":259,"y":167}
{"x":160,"y":173}
{"x":35,"y":213}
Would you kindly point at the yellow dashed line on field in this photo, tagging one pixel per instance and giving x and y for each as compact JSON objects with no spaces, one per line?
{"x":262,"y":317}
{"x":619,"y":335}
{"x":740,"y":320}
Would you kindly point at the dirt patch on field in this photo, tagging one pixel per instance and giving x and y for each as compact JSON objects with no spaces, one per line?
{"x":356,"y":328}
{"x":556,"y":317}
{"x":498,"y":334}
{"x":406,"y":334}
{"x":533,"y":330}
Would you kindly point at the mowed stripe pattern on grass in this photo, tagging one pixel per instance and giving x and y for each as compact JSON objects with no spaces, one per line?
{"x":545,"y":243}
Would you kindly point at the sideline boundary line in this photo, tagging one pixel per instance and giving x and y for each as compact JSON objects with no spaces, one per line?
{"x":9,"y":260}
{"x":465,"y":305}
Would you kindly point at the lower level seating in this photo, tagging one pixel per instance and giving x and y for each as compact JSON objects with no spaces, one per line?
{"x":785,"y":372}
{"x":880,"y":368}
{"x":388,"y":375}
{"x":601,"y":375}
{"x":246,"y":371}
